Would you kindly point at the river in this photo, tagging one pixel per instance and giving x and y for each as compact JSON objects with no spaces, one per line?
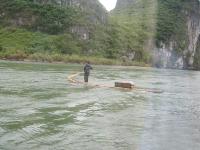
{"x":41,"y":110}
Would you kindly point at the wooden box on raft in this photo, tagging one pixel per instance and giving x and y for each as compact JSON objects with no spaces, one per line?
{"x":128,"y":85}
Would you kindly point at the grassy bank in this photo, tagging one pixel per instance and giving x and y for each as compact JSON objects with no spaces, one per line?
{"x":20,"y":44}
{"x":51,"y":58}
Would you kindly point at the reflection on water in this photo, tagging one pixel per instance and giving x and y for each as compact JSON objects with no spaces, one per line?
{"x":39,"y":109}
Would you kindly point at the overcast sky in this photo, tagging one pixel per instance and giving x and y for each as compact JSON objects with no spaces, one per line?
{"x":109,"y":4}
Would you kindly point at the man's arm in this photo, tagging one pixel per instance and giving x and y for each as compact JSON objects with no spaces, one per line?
{"x":90,"y":67}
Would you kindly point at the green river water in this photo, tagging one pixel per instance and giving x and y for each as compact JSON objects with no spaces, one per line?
{"x":41,"y":110}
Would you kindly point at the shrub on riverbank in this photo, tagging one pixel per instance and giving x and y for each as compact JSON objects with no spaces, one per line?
{"x":20,"y":44}
{"x":79,"y":59}
{"x":46,"y":27}
{"x":45,"y":57}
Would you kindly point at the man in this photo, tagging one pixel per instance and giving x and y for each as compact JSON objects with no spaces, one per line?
{"x":87,"y":69}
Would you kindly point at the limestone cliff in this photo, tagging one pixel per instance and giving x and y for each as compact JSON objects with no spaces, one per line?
{"x":176,"y":30}
{"x":53,"y":26}
{"x":93,"y":7}
{"x":181,"y":49}
{"x":123,"y":4}
{"x":165,"y":33}
{"x":54,"y":16}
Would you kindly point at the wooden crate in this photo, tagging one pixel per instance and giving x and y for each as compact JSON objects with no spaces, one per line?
{"x":128,"y":84}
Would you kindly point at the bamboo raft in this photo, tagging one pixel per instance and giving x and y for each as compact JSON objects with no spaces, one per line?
{"x":118,"y":85}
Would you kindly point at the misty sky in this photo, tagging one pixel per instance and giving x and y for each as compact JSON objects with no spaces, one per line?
{"x":109,"y":4}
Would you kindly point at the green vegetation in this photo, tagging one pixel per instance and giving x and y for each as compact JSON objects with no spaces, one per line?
{"x":14,"y":39}
{"x":30,"y":28}
{"x":80,"y":59}
{"x":135,"y":27}
{"x":48,"y":31}
{"x":20,"y":44}
{"x":171,"y":23}
{"x":47,"y":18}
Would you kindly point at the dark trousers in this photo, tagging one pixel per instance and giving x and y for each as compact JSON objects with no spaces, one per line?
{"x":86,"y":77}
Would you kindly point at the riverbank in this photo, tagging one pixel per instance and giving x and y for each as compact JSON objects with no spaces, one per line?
{"x":59,"y":58}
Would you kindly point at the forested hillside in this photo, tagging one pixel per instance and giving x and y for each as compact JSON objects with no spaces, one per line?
{"x":53,"y":27}
{"x":177,"y":36}
{"x":135,"y":21}
{"x":162,"y":33}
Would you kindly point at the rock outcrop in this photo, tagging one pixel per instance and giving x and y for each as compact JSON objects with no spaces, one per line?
{"x":165,"y":33}
{"x":177,"y":30}
{"x":90,"y":13}
{"x":185,"y":54}
{"x":123,"y":4}
{"x":97,"y":13}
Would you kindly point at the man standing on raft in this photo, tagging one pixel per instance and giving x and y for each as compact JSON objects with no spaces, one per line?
{"x":87,"y":69}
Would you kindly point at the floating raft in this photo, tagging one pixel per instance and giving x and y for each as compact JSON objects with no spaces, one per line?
{"x":127,"y":84}
{"x":123,"y":85}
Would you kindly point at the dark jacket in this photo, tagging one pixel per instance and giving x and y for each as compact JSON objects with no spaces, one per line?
{"x":87,"y":69}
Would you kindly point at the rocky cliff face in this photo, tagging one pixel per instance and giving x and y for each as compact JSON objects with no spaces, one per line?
{"x":80,"y":15}
{"x":163,"y":32}
{"x":182,"y":50}
{"x":177,"y":29}
{"x":191,"y":54}
{"x":97,"y":13}
{"x":121,"y":4}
